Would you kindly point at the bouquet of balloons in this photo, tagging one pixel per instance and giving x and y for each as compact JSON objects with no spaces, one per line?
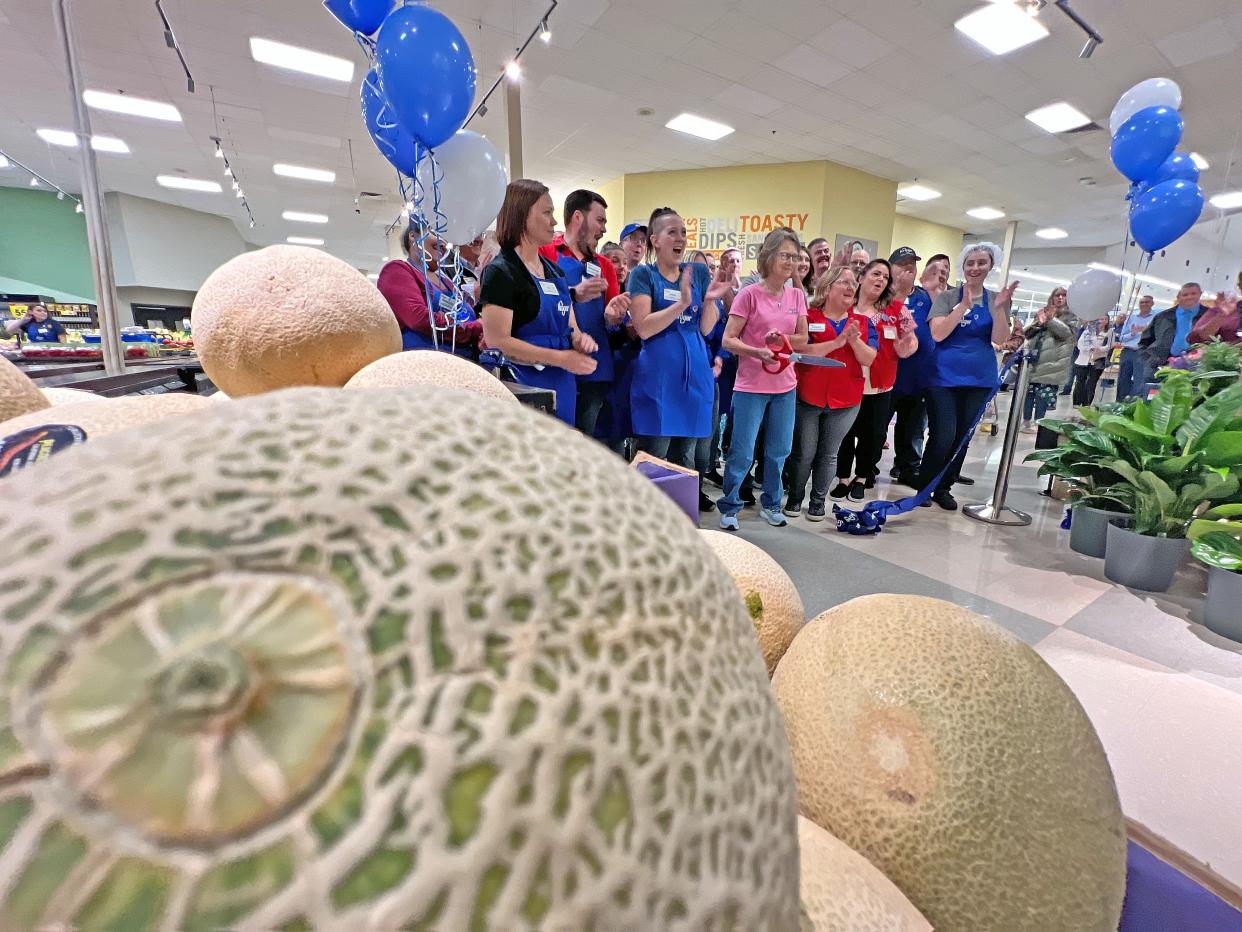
{"x":1165,"y":198}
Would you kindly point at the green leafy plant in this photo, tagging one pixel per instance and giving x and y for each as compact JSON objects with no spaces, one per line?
{"x":1219,"y":366}
{"x":1219,"y":549}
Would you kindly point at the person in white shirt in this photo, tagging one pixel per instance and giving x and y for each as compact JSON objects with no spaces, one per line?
{"x":1132,"y":371}
{"x":1095,"y":345}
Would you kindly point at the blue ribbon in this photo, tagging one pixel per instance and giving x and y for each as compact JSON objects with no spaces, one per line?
{"x":872,"y":517}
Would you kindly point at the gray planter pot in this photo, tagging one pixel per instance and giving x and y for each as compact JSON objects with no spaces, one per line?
{"x":1222,"y":610}
{"x":1141,"y":562}
{"x":1089,"y":529}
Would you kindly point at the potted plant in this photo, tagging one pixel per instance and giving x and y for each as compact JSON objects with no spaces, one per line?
{"x":1217,"y":543}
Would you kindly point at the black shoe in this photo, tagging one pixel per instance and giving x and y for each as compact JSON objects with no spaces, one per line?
{"x":895,"y":472}
{"x":906,"y":478}
{"x":926,"y":504}
{"x":858,"y":490}
{"x":870,"y":483}
{"x":705,"y":503}
{"x":963,"y":480}
{"x":840,"y":491}
{"x":815,"y":513}
{"x":714,"y":477}
{"x":945,"y":500}
{"x":747,"y":495}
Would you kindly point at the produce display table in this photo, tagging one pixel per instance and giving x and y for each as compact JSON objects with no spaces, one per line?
{"x":148,"y":376}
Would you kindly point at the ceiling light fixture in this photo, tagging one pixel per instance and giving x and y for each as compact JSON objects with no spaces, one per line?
{"x":1051,"y":233}
{"x":303,"y":173}
{"x":34,"y":182}
{"x":189,"y":184}
{"x":1001,"y":27}
{"x":305,"y":61}
{"x":985,"y":213}
{"x":1035,"y":276}
{"x":699,"y":126}
{"x":1149,"y":279}
{"x":1200,"y":162}
{"x":513,"y":71}
{"x":78,"y":209}
{"x":304,"y":241}
{"x":298,"y":216}
{"x":4,"y":163}
{"x":917,"y":192}
{"x":219,"y":151}
{"x":68,"y":140}
{"x":544,"y":32}
{"x":132,"y":106}
{"x":1058,"y":118}
{"x":1227,"y":201}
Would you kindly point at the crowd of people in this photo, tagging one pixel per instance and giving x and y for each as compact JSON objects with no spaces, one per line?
{"x":650,"y":348}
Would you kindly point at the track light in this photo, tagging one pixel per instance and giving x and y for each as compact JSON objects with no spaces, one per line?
{"x":228,"y":169}
{"x":1089,"y":48}
{"x":544,"y":32}
{"x":513,"y":71}
{"x":78,"y":209}
{"x":60,"y":195}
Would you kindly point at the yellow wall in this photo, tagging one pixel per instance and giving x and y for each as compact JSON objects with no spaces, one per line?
{"x":614,"y":193}
{"x":928,"y":238}
{"x":859,"y":205}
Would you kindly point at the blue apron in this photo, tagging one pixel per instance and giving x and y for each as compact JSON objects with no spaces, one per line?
{"x":673,"y":392}
{"x":441,"y":303}
{"x":965,"y":358}
{"x":550,"y":329}
{"x":590,"y":315}
{"x":43,"y":332}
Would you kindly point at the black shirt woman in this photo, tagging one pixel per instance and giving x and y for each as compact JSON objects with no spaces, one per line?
{"x":527,"y":312}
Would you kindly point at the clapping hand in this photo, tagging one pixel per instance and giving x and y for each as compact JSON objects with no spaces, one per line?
{"x":584,"y":342}
{"x":717,"y":290}
{"x":590,"y":288}
{"x":617,"y":308}
{"x":1005,"y":298}
{"x":687,"y":284}
{"x":851,"y":332}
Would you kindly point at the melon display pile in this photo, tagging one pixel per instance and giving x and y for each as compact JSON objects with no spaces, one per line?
{"x":18,"y":395}
{"x":375,"y":660}
{"x":430,"y":367}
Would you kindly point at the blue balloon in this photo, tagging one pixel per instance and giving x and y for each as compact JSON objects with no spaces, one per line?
{"x":1177,"y":167}
{"x":1145,"y":141}
{"x":427,"y":72}
{"x":364,"y":16}
{"x":1166,"y":211}
{"x":394,"y":143}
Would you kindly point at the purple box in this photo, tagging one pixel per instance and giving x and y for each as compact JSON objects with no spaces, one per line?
{"x":681,"y":487}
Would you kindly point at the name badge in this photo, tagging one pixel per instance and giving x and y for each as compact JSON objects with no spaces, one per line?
{"x":591,"y":269}
{"x":890,"y":332}
{"x":549,"y":287}
{"x":816,"y":328}
{"x":672,"y":294}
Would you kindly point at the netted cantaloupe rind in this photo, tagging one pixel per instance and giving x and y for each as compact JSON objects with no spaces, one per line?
{"x":371,"y":661}
{"x":18,"y":395}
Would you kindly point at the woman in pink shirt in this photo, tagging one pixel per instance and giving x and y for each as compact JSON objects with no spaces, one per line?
{"x":768,"y":309}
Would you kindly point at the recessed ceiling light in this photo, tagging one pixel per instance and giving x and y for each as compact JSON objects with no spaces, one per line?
{"x":918,"y":192}
{"x":1001,"y":27}
{"x":299,"y":217}
{"x":1200,"y":162}
{"x":189,"y":184}
{"x":1227,"y":201}
{"x":293,"y":58}
{"x":62,"y":137}
{"x":132,"y":106}
{"x":1051,"y":233}
{"x":306,"y":174}
{"x":304,"y":241}
{"x":986,"y":213}
{"x":698,"y":126}
{"x":1058,"y":117}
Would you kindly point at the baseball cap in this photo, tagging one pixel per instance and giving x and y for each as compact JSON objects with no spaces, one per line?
{"x":904,"y":254}
{"x":633,"y":228}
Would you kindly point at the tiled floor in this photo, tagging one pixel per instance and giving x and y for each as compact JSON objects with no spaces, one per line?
{"x":1164,"y":693}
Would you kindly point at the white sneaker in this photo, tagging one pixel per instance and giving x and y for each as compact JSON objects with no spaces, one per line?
{"x":773,"y":517}
{"x":729,"y":523}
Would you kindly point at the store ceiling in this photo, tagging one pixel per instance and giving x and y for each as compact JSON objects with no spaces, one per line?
{"x":887,"y":86}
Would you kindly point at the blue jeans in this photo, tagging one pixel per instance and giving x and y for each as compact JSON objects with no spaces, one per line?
{"x":775,"y":414}
{"x":1131,"y":374}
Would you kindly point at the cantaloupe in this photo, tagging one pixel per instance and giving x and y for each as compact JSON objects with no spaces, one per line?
{"x":950,"y":755}
{"x":430,"y":367}
{"x":68,"y":396}
{"x":844,"y":892}
{"x":18,"y":395}
{"x":771,"y":597}
{"x":286,"y":316}
{"x":377,"y":660}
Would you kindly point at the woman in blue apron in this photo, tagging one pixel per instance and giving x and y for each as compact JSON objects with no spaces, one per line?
{"x":37,"y":326}
{"x":526,"y":307}
{"x":406,"y":289}
{"x":965,"y":321}
{"x":673,"y":307}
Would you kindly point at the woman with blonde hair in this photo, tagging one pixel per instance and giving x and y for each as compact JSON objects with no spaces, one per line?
{"x":1050,"y":345}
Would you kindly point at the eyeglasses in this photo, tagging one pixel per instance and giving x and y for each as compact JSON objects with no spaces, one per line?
{"x":788,"y":256}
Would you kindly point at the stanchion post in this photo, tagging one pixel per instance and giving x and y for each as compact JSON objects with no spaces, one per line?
{"x":994,"y":511}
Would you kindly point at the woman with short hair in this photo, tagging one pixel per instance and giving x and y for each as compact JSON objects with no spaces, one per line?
{"x":405,"y":288}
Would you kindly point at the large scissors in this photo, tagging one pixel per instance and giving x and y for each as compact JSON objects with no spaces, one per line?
{"x":779,"y":344}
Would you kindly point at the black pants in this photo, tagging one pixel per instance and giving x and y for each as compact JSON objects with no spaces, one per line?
{"x":591,"y":399}
{"x":950,"y":414}
{"x":908,"y":433}
{"x":861,"y":450}
{"x":1085,"y":380}
{"x":678,"y":450}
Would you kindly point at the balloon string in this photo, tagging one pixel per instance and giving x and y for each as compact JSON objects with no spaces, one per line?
{"x":418,"y":224}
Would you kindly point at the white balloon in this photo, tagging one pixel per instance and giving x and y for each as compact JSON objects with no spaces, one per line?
{"x":1154,"y":92}
{"x":472,"y":185}
{"x":1094,"y":294}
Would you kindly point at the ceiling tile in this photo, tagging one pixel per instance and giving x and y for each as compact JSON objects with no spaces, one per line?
{"x":806,"y":63}
{"x":854,"y":44}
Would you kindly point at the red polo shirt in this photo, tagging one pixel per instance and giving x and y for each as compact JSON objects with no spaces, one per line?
{"x":833,"y":388}
{"x":558,"y":247}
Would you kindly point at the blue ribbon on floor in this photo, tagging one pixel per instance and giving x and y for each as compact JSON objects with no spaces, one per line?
{"x":872,"y":517}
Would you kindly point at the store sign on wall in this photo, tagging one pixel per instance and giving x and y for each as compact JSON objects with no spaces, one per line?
{"x":744,"y":232}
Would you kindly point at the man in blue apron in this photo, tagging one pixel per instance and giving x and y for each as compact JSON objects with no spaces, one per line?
{"x":599,"y":305}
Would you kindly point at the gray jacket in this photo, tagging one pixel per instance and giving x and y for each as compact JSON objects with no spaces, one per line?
{"x":1157,"y":341}
{"x":1053,"y":343}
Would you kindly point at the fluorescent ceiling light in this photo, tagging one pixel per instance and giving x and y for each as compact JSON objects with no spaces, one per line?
{"x":189,"y":184}
{"x":918,"y":192}
{"x":306,"y":174}
{"x":298,"y":217}
{"x":986,"y":213}
{"x":1227,"y":201}
{"x":1149,"y":279}
{"x":698,"y":126}
{"x":132,"y":106}
{"x":1058,"y":117}
{"x":1200,"y":162}
{"x":62,"y":137}
{"x":1032,"y":276}
{"x":1001,"y":27}
{"x":1051,"y":233}
{"x":294,"y":58}
{"x":304,"y":241}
